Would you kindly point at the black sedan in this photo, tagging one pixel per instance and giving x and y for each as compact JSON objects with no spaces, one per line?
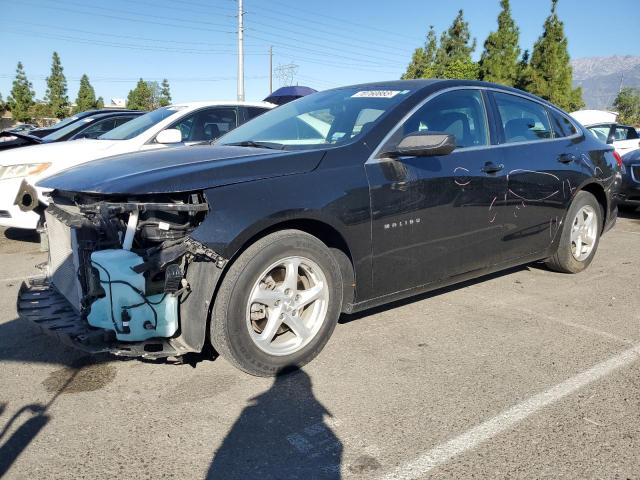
{"x":91,"y":126}
{"x":629,"y":197}
{"x":337,"y":202}
{"x":44,"y":131}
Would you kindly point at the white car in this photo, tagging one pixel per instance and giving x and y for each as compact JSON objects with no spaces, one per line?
{"x":22,"y":203}
{"x":603,"y":125}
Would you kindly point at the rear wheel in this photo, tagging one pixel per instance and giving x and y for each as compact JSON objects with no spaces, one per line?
{"x":278,"y":303}
{"x":580,"y":235}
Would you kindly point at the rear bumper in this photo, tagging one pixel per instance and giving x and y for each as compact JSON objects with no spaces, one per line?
{"x":42,"y":305}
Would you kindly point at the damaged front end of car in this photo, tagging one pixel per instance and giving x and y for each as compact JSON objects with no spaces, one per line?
{"x":124,"y":275}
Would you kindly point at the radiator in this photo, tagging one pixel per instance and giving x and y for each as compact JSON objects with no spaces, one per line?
{"x":63,"y":260}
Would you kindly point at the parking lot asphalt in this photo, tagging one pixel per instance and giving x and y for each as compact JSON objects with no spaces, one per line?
{"x":525,"y":374}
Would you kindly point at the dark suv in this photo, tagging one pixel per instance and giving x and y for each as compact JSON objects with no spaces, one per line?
{"x":337,"y":202}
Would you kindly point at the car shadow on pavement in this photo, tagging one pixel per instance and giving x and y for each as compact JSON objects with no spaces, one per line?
{"x":20,"y":341}
{"x":629,"y":213}
{"x":281,"y":434}
{"x":22,"y":235}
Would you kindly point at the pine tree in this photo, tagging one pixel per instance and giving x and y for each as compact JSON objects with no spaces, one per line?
{"x":499,"y":61}
{"x":423,"y":61}
{"x":523,"y":78}
{"x":100,"y":103}
{"x":86,"y":96}
{"x":56,"y":95}
{"x":141,"y":97}
{"x":165,"y":94}
{"x":453,"y":58}
{"x":627,"y":104}
{"x":154,"y":96}
{"x":551,"y":72}
{"x":21,"y":98}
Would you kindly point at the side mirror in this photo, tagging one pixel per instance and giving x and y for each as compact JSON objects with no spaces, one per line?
{"x":425,"y":144}
{"x":168,"y":136}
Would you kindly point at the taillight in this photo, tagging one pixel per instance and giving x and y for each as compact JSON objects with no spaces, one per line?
{"x":618,"y":160}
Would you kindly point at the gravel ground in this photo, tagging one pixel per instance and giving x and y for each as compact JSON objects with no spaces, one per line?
{"x":526,"y":374}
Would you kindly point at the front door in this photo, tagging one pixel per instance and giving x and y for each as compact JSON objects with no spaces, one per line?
{"x":436,"y":217}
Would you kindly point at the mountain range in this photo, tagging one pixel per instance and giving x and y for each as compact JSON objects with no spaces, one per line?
{"x":602,"y":77}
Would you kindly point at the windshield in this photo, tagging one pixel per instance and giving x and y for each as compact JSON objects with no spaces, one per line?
{"x":326,"y":118}
{"x":138,"y":125}
{"x":66,"y":121}
{"x":71,"y":127}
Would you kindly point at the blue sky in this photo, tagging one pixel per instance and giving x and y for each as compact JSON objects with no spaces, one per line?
{"x":333,"y":42}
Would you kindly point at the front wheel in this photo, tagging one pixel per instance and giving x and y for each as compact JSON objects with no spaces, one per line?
{"x":580,"y":235}
{"x":278,"y":303}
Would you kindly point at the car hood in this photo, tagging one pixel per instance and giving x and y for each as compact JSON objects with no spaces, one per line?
{"x":181,"y":169}
{"x":31,"y":139}
{"x":66,"y":154}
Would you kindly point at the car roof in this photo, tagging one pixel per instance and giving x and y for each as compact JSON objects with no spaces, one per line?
{"x":216,"y":103}
{"x":100,"y":115}
{"x":436,"y":84}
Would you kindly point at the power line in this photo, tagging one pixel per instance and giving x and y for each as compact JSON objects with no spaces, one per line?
{"x":380,"y":61}
{"x":391,"y":49}
{"x":153,"y":48}
{"x":229,"y":13}
{"x":131,"y":37}
{"x":121,"y":18}
{"x":341,"y":20}
{"x":146,"y":15}
{"x":353,"y":65}
{"x":99,"y":79}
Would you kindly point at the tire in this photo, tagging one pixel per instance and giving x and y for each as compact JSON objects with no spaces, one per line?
{"x":243,"y":340}
{"x":565,"y":259}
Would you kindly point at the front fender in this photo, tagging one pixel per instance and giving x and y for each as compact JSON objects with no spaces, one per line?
{"x":337,"y":197}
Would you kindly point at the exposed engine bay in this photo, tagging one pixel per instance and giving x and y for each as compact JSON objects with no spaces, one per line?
{"x":122,"y":262}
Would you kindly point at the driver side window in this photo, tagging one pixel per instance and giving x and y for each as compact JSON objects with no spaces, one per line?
{"x":460,"y":113}
{"x":208,"y":124}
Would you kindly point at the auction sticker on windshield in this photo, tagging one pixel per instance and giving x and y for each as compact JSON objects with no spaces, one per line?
{"x":376,"y":94}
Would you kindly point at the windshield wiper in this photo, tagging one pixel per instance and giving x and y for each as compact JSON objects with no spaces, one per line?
{"x":251,"y":143}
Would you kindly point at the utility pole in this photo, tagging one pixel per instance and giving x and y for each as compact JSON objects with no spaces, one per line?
{"x":271,"y":69}
{"x":240,"y":52}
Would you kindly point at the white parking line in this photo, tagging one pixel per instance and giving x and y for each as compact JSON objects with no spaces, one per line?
{"x":509,"y":418}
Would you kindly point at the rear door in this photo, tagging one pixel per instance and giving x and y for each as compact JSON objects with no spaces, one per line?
{"x":542,"y":168}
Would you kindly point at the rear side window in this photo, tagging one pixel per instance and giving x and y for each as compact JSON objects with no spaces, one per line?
{"x":601,"y":132}
{"x":562,"y":126}
{"x":522,"y":120}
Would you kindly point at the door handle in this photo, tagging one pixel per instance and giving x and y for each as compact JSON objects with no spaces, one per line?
{"x":491,"y":167}
{"x":567,"y":158}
